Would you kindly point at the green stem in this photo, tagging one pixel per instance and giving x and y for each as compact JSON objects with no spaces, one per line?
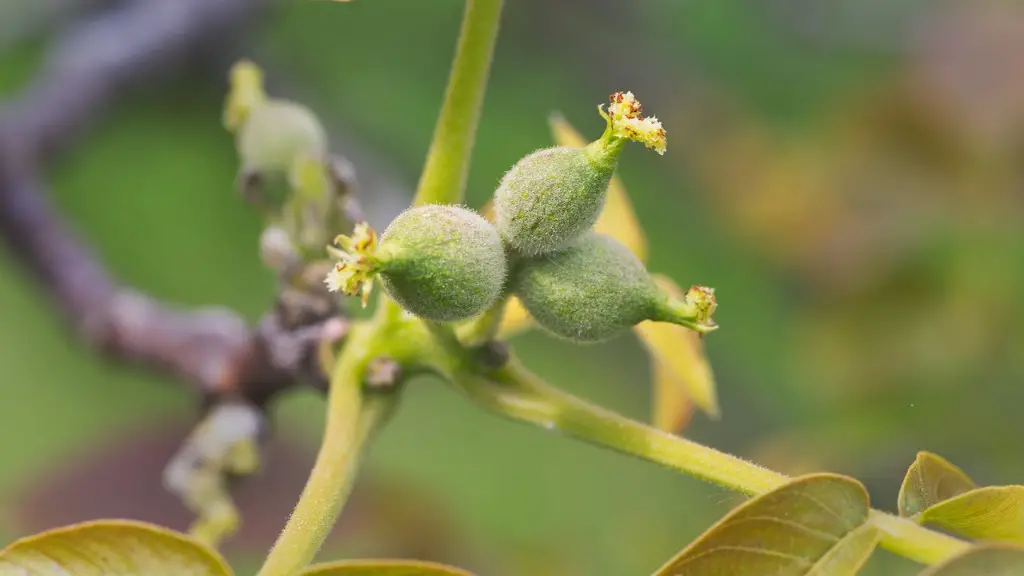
{"x":514,"y":392}
{"x":483,"y":328}
{"x":443,"y":180}
{"x":351,"y":419}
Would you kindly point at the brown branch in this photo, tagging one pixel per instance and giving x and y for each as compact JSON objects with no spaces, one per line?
{"x":87,"y":70}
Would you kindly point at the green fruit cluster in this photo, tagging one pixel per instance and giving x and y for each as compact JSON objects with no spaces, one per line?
{"x":577,"y":284}
{"x":446,"y":263}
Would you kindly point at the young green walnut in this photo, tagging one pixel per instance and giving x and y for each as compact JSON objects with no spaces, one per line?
{"x":552,"y":196}
{"x":440,"y":262}
{"x":596,"y":288}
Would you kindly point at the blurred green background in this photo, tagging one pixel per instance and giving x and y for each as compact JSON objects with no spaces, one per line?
{"x":849,"y":176}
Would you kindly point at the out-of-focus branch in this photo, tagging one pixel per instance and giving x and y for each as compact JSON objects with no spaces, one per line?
{"x":86,"y":71}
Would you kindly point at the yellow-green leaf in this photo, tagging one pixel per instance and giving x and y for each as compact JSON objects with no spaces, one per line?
{"x":988,"y":513}
{"x":850,"y":554}
{"x":618,"y":218}
{"x":383,"y":568}
{"x":110,"y":548}
{"x":814,"y":525}
{"x":930,"y":480}
{"x":671,"y":408}
{"x":682,"y":352}
{"x":515,"y":320}
{"x":983,"y":560}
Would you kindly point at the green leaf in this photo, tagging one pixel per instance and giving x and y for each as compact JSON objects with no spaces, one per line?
{"x":110,"y":548}
{"x":930,"y":480}
{"x":383,"y":568}
{"x":986,"y":559}
{"x":989,"y":513}
{"x":815,"y":525}
{"x":938,"y":493}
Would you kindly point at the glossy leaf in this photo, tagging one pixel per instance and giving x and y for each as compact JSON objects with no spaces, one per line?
{"x":618,"y":219}
{"x":110,"y":548}
{"x":682,"y":352}
{"x":383,"y":568}
{"x":985,"y":559}
{"x":815,"y":525}
{"x":989,"y":513}
{"x":930,"y":480}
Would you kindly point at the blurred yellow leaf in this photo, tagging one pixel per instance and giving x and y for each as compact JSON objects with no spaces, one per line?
{"x":488,"y":211}
{"x":671,"y":408}
{"x":930,"y":480}
{"x":382,"y":568}
{"x":682,"y":352}
{"x":984,"y":559}
{"x":989,"y":513}
{"x":618,"y":219}
{"x":110,"y":548}
{"x":516,"y":319}
{"x":815,"y":525}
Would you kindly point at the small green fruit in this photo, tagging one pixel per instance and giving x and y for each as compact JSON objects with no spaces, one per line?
{"x":552,"y":196}
{"x":440,"y":262}
{"x":443,"y":263}
{"x":596,"y":288}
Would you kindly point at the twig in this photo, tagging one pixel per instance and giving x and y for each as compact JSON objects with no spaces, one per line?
{"x":86,"y":71}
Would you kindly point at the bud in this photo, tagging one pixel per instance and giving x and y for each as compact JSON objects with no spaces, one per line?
{"x":270,"y":133}
{"x":276,"y":249}
{"x":276,"y":133}
{"x":552,"y":196}
{"x":440,"y":262}
{"x":596,"y":288}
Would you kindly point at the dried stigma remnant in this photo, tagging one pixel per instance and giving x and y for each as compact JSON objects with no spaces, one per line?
{"x":356,"y":265}
{"x":625,"y":119}
{"x":703,"y":301}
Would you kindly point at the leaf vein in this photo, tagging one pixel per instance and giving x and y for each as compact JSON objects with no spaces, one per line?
{"x":803,"y":562}
{"x":828,"y":509}
{"x":792,"y":524}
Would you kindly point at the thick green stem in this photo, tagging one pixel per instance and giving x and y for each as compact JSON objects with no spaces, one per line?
{"x":351,"y":419}
{"x":443,"y":180}
{"x":514,"y":392}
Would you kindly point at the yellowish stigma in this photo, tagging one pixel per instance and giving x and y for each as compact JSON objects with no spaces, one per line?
{"x":702,"y":299}
{"x":625,"y":119}
{"x":353,"y":272}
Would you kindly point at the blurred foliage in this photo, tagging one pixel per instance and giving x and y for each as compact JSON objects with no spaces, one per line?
{"x":855,"y":204}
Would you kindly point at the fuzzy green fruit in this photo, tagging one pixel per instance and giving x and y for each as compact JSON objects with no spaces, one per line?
{"x":442,"y":263}
{"x":596,"y":288}
{"x":553,"y":195}
{"x":277,"y":132}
